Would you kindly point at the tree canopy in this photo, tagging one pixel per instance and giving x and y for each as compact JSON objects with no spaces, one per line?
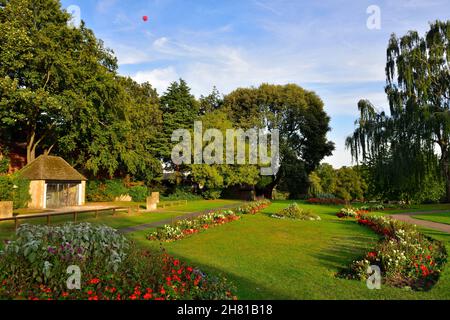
{"x":409,"y":148}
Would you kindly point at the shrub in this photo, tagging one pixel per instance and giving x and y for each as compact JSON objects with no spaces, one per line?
{"x":181,"y":194}
{"x":326,"y":201}
{"x":34,"y":267}
{"x":101,"y":191}
{"x":293,"y":211}
{"x":280,"y":195}
{"x":138,"y":193}
{"x":16,"y":189}
{"x":212,"y":194}
{"x":115,"y":188}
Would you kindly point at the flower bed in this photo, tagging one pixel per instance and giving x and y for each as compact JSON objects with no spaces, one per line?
{"x":406,"y":257}
{"x":253,"y":207}
{"x":295,"y":212}
{"x":350,"y":213}
{"x":184,"y":228}
{"x":35,"y":267}
{"x":326,"y":201}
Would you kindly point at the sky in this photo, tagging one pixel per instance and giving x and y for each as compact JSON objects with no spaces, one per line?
{"x":336,"y":48}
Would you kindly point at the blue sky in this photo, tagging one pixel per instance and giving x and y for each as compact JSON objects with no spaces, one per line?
{"x":322,"y":45}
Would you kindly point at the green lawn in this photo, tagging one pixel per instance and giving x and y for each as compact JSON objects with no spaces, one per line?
{"x":268,"y":258}
{"x":435,"y":217}
{"x":423,"y":207}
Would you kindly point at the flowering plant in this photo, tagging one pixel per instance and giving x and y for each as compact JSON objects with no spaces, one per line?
{"x":253,"y":207}
{"x":183,"y":228}
{"x":295,"y":212}
{"x":35,"y":267}
{"x":406,"y":257}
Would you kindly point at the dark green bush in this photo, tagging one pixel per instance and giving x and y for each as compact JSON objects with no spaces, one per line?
{"x":138,"y":193}
{"x":99,"y":191}
{"x":115,"y":188}
{"x":16,"y":189}
{"x":212,"y":194}
{"x":181,"y":194}
{"x":95,"y":191}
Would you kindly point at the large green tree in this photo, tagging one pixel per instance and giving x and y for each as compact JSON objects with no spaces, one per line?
{"x":303,"y":124}
{"x":179,"y":111}
{"x":405,"y":147}
{"x":44,"y":66}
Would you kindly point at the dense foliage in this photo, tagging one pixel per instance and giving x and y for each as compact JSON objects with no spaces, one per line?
{"x":346,"y":183}
{"x":407,"y":151}
{"x":16,"y":189}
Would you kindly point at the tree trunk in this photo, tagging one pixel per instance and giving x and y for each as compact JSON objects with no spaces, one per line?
{"x":31,"y":146}
{"x":267,"y":191}
{"x":30,"y":143}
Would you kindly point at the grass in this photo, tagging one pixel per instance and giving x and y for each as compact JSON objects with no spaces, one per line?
{"x":284,"y":259}
{"x":435,"y":217}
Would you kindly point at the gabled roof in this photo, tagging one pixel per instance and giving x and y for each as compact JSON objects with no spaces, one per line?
{"x":50,"y":168}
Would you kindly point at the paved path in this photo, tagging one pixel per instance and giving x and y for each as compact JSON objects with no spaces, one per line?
{"x":188,"y":215}
{"x":408,"y":217}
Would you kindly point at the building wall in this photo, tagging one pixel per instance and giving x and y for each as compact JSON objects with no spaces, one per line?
{"x":37,"y":192}
{"x":83,"y":193}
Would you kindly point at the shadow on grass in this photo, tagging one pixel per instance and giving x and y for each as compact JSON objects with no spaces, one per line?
{"x":246,"y":289}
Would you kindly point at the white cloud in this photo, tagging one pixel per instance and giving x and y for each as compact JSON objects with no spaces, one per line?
{"x":160,"y":79}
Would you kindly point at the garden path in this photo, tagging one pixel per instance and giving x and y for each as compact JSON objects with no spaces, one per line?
{"x":408,"y":217}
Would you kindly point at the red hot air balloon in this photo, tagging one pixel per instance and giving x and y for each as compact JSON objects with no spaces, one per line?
{"x":145,"y":18}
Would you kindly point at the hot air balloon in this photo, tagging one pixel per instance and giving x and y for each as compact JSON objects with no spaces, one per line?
{"x":145,"y":18}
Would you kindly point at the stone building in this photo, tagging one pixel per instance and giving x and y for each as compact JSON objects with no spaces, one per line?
{"x":54,"y":183}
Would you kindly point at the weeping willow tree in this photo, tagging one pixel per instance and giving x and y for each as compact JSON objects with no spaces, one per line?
{"x":408,"y":149}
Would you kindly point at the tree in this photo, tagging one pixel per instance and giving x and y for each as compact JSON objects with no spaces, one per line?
{"x":49,"y":74}
{"x":302,"y":122}
{"x":349,"y":184}
{"x":413,"y":141}
{"x":211,"y":102}
{"x":179,"y":111}
{"x":328,"y":178}
{"x":216,"y":177}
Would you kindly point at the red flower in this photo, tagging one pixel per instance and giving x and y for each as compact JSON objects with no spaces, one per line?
{"x":372,"y":254}
{"x":148,"y":296}
{"x":94,"y":281}
{"x":162,"y":291}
